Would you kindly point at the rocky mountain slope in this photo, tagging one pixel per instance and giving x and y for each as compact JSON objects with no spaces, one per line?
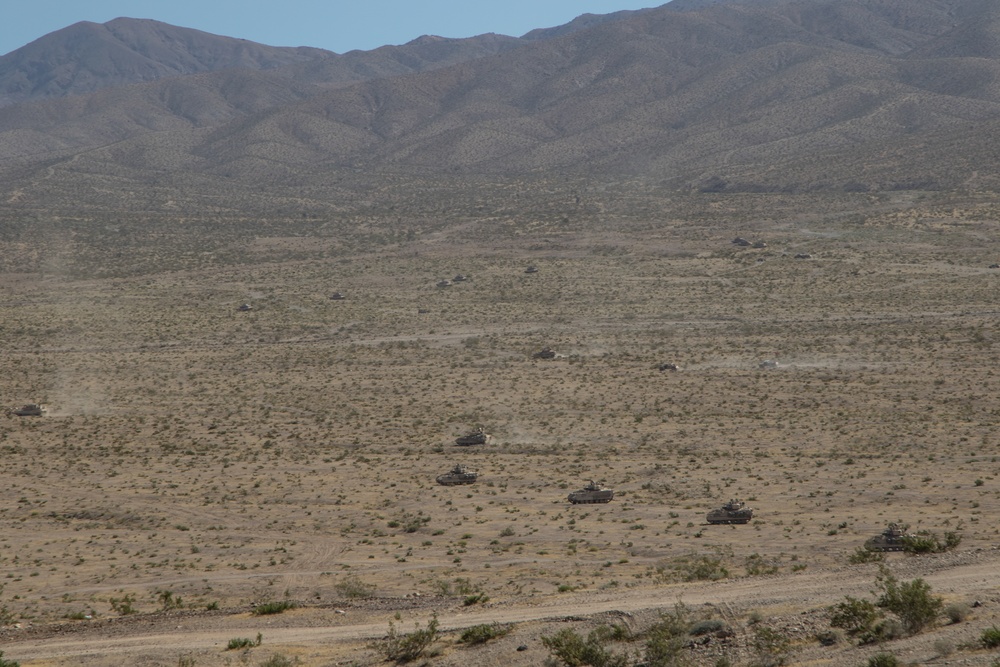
{"x":759,"y":95}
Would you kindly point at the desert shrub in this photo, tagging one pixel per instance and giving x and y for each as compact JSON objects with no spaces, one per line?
{"x":862,"y":555}
{"x":352,"y":587}
{"x":407,"y":647}
{"x":853,"y":615}
{"x":268,"y":608}
{"x":943,"y":647}
{"x":480,"y":634}
{"x":572,"y":650}
{"x":956,"y":613}
{"x":278,"y":660}
{"x":829,"y":637}
{"x":756,"y":565}
{"x":910,"y":601}
{"x":990,"y":637}
{"x":707,"y":626}
{"x":770,"y":646}
{"x":123,"y":605}
{"x":883,"y":660}
{"x":4,"y":662}
{"x":475,"y":599}
{"x":666,"y":640}
{"x":926,"y":542}
{"x":244,"y":642}
{"x":701,"y":568}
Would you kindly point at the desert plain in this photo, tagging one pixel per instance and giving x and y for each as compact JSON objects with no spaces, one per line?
{"x":197,"y":462}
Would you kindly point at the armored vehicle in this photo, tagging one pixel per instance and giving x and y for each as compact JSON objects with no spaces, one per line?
{"x":768,"y":363}
{"x":891,"y":539}
{"x":477,"y":437}
{"x":545,"y":353}
{"x":591,"y":494}
{"x":337,"y":296}
{"x":444,"y":283}
{"x":457,"y":475}
{"x":669,"y":367}
{"x":29,"y":410}
{"x":735,"y":511}
{"x":531,"y":269}
{"x":245,"y":307}
{"x":460,"y":278}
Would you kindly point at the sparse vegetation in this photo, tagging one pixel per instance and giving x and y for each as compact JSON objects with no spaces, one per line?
{"x":406,"y":647}
{"x":480,"y":634}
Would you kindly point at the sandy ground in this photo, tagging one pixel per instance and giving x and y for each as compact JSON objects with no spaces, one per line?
{"x":197,"y":461}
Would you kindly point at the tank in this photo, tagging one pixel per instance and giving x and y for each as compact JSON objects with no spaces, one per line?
{"x":477,"y":437}
{"x":29,"y":410}
{"x":891,"y":539}
{"x":245,"y":307}
{"x":337,"y":296}
{"x":735,"y":511}
{"x":545,"y":353}
{"x":444,"y":283}
{"x":457,"y":475}
{"x":531,"y":269}
{"x":591,"y":494}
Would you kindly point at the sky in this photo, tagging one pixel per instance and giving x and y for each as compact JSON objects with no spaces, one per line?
{"x":335,"y":25}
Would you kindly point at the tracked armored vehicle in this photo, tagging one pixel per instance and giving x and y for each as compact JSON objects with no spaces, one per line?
{"x":545,"y":353}
{"x":591,"y":494}
{"x":891,"y":539}
{"x":477,"y":437}
{"x":337,"y":296}
{"x":457,"y":475}
{"x":735,"y":511}
{"x":29,"y":410}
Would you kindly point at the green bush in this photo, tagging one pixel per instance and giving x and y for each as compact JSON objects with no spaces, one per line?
{"x":862,"y":555}
{"x":990,"y":637}
{"x":883,"y":660}
{"x":273,"y":608}
{"x":771,"y":646}
{"x":853,"y":615}
{"x":910,"y":601}
{"x":480,"y":634}
{"x":666,"y":639}
{"x":573,"y":650}
{"x":407,"y":647}
{"x":352,"y":587}
{"x":244,"y":642}
{"x":8,"y":663}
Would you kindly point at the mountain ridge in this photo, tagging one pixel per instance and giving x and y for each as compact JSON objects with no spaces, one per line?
{"x":768,"y":95}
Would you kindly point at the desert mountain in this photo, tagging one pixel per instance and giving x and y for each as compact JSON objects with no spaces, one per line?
{"x":713,"y":95}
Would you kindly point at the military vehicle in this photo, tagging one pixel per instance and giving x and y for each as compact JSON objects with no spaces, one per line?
{"x":460,"y":278}
{"x":768,"y":363}
{"x":531,"y":269}
{"x":29,"y":410}
{"x":735,"y":511}
{"x":477,"y":437}
{"x":669,"y":367}
{"x":544,"y":353}
{"x":591,"y":494}
{"x":891,"y":539}
{"x":457,"y":475}
{"x":245,"y":307}
{"x":337,"y":296}
{"x":444,"y":283}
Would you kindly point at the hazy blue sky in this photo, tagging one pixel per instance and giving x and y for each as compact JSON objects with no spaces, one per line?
{"x":337,"y":25}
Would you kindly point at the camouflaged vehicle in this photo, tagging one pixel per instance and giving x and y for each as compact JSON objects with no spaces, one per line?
{"x":29,"y":410}
{"x":735,"y":511}
{"x":544,"y":353}
{"x":591,"y":494}
{"x":891,"y":539}
{"x":457,"y":475}
{"x":477,"y":437}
